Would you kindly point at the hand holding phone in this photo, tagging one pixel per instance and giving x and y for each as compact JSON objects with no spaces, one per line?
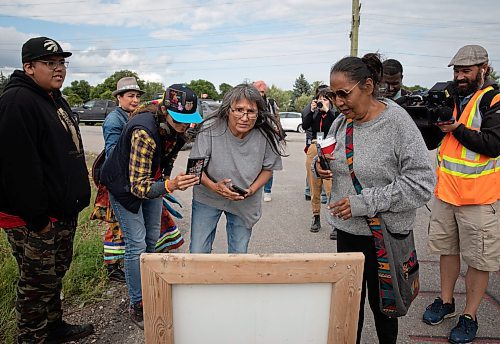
{"x":448,"y":122}
{"x":322,"y":160}
{"x":196,"y":166}
{"x":238,"y":189}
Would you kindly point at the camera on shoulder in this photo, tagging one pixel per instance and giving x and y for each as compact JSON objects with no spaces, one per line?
{"x":434,"y":107}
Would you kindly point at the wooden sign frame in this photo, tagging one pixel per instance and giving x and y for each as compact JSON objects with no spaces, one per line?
{"x":160,"y":271}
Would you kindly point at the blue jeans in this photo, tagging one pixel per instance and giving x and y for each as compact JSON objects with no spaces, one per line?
{"x":204,"y":221}
{"x":140,"y":233}
{"x":269,"y":184}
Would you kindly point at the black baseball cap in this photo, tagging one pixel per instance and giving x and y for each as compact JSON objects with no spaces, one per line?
{"x":181,"y":103}
{"x":38,"y":47}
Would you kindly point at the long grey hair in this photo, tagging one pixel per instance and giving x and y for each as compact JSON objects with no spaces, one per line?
{"x":266,"y":122}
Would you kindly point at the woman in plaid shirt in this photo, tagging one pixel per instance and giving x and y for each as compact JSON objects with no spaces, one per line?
{"x":146,"y":150}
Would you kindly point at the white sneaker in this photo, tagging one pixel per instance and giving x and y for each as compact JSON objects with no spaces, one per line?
{"x":267,"y":197}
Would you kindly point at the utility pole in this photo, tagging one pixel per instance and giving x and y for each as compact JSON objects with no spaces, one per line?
{"x":356,"y":7}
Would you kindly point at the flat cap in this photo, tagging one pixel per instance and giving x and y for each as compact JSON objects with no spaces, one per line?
{"x":469,"y":55}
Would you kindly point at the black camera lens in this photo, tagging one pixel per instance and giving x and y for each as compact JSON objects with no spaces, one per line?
{"x":319,"y":104}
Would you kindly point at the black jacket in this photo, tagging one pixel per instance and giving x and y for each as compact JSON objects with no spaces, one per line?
{"x":312,"y":120}
{"x":115,"y":171}
{"x":487,"y":140}
{"x":42,"y":173}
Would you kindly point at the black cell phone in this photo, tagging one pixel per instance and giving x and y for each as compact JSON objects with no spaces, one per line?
{"x":196,"y":166}
{"x":450,"y":121}
{"x":322,"y":160}
{"x":238,"y":189}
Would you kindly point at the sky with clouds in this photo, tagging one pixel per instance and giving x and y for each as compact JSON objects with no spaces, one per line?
{"x":231,"y":41}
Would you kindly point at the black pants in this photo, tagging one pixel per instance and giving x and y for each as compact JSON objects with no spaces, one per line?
{"x":387,"y":327}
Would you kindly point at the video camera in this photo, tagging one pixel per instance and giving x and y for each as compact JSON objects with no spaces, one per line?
{"x":434,"y":107}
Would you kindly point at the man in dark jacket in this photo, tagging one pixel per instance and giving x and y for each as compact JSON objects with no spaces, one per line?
{"x":393,"y":78}
{"x":43,"y":186}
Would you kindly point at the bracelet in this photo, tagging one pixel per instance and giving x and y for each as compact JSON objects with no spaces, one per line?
{"x":166,"y":187}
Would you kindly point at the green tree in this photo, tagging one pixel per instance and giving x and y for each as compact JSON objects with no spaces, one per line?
{"x":301,"y":102}
{"x":415,"y":88}
{"x":282,"y":97}
{"x":78,"y":92}
{"x":201,"y":87}
{"x":104,"y":89}
{"x":74,"y":99}
{"x":152,"y":89}
{"x":315,"y":85}
{"x":3,"y":82}
{"x":224,"y":88}
{"x":301,"y":86}
{"x":494,"y":75}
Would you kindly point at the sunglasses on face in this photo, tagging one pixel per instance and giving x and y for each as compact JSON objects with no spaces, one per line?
{"x":342,"y":93}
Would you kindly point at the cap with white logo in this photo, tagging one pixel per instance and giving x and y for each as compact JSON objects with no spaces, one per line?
{"x":38,"y":47}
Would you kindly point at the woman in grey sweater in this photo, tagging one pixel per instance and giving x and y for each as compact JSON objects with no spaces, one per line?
{"x":390,"y":161}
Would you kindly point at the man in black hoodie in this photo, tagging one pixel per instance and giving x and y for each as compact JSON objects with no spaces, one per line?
{"x":43,"y":186}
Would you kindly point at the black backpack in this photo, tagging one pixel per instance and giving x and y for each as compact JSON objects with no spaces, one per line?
{"x":96,"y":168}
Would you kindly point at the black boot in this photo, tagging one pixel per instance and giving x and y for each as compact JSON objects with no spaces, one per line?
{"x":333,"y":234}
{"x":316,"y":224}
{"x":62,"y":332}
{"x":137,"y":315}
{"x":115,"y":273}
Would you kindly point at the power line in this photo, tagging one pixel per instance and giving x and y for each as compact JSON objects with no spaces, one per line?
{"x":124,"y":12}
{"x":239,"y":41}
{"x":214,"y":33}
{"x":43,"y":3}
{"x":429,"y":19}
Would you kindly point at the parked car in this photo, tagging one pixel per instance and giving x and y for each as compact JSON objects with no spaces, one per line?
{"x":209,"y":106}
{"x":291,"y":121}
{"x":204,"y":109}
{"x":93,"y":111}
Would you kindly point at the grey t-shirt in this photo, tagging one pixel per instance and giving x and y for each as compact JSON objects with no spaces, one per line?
{"x":241,"y":160}
{"x":393,"y":166}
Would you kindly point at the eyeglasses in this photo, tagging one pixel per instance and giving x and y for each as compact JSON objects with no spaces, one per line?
{"x":53,"y":65}
{"x":344,"y":94}
{"x":240,"y":112}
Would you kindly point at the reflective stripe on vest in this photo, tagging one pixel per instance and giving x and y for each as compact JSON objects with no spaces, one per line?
{"x":474,"y":123}
{"x":466,"y":169}
{"x":464,"y":176}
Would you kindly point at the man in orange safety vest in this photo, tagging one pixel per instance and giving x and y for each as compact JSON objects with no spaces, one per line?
{"x":465,"y":218}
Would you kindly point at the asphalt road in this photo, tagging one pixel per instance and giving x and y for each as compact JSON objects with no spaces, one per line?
{"x":284,"y":228}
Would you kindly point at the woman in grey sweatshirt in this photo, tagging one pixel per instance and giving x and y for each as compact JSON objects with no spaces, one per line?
{"x":390,"y":161}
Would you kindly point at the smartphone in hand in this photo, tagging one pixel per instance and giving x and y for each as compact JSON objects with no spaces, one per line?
{"x":450,"y":121}
{"x":238,"y":189}
{"x":322,"y":160}
{"x":195,"y":166}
